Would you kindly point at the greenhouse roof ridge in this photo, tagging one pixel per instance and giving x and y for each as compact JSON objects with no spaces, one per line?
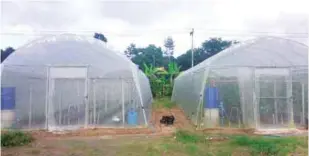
{"x":236,"y":48}
{"x":201,"y":64}
{"x":68,"y":37}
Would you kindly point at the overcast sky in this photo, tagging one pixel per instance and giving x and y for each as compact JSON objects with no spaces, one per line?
{"x":146,"y":22}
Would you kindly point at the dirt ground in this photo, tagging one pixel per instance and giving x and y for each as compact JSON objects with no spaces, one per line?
{"x":181,"y":122}
{"x":157,"y":129}
{"x":116,"y":141}
{"x":99,"y":140}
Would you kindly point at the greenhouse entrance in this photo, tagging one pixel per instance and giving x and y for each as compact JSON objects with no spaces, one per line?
{"x":274,"y":96}
{"x":68,"y":98}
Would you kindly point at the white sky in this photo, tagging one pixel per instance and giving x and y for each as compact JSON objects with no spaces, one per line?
{"x":146,"y":22}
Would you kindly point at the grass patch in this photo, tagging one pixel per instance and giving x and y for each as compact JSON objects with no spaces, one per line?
{"x":164,"y":102}
{"x":183,"y":143}
{"x":15,"y":138}
{"x":268,"y":145}
{"x":191,"y":149}
{"x":188,"y":137}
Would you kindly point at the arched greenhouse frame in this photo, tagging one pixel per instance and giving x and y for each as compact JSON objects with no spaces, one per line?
{"x":64,"y":82}
{"x":260,"y":83}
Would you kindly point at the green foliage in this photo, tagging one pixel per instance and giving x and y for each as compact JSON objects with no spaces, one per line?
{"x":169,"y":46}
{"x":163,"y":102}
{"x":15,"y":138}
{"x":268,"y":145}
{"x":190,"y":141}
{"x":100,"y":36}
{"x":161,"y":81}
{"x":154,"y":55}
{"x":208,"y":48}
{"x":173,"y":71}
{"x":150,"y":55}
{"x":163,"y":69}
{"x":187,"y":137}
{"x":191,"y":149}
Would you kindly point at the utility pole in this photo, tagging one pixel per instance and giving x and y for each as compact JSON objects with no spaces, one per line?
{"x":192,"y":57}
{"x":153,"y":60}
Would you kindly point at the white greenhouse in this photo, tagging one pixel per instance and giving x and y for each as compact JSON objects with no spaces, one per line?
{"x":67,"y":82}
{"x":260,"y":83}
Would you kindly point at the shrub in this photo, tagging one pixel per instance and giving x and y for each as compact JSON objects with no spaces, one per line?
{"x":187,"y":137}
{"x":164,"y":102}
{"x":15,"y":138}
{"x":267,"y":146}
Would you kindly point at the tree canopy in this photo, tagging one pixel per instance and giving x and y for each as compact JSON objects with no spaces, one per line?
{"x":169,"y":47}
{"x":5,"y":53}
{"x":150,"y":55}
{"x":207,"y":49}
{"x":153,"y":55}
{"x":100,"y":36}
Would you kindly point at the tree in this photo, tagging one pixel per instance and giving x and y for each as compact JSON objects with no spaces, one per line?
{"x":184,"y":60}
{"x":150,"y":55}
{"x":131,"y":51}
{"x":169,"y":47}
{"x":5,"y":53}
{"x":100,"y":36}
{"x":208,"y":48}
{"x":215,"y":45}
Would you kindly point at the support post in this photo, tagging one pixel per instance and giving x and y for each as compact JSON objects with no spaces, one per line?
{"x":122,"y":101}
{"x":86,"y":99}
{"x":275,"y":102}
{"x":51,"y":110}
{"x":192,"y":53}
{"x":105,"y":99}
{"x":46,"y":97}
{"x":94,"y":102}
{"x":60,"y":108}
{"x":290,"y":100}
{"x":242,"y":103}
{"x":303,"y":103}
{"x":256,"y":101}
{"x":30,"y":106}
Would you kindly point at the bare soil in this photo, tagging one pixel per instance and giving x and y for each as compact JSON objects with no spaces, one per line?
{"x":96,"y":141}
{"x":157,"y":128}
{"x":125,"y":141}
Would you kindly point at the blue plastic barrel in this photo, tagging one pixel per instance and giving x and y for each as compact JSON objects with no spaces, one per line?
{"x":132,"y":117}
{"x":7,"y":98}
{"x":211,"y":97}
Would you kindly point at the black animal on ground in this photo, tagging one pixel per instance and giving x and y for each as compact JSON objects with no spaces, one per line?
{"x":167,"y":120}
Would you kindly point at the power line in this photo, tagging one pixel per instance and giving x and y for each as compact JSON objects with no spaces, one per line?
{"x":46,"y":1}
{"x":140,"y":35}
{"x":184,"y":30}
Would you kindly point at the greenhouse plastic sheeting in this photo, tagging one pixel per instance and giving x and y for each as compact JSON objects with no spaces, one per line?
{"x":262,"y":83}
{"x":68,"y":82}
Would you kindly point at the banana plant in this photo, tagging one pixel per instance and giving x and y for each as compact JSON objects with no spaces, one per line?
{"x":151,"y":71}
{"x":173,"y":71}
{"x":154,"y":75}
{"x":162,"y":80}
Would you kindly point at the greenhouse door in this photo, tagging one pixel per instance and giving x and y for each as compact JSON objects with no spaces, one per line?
{"x":68,"y":98}
{"x":273,"y":92}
